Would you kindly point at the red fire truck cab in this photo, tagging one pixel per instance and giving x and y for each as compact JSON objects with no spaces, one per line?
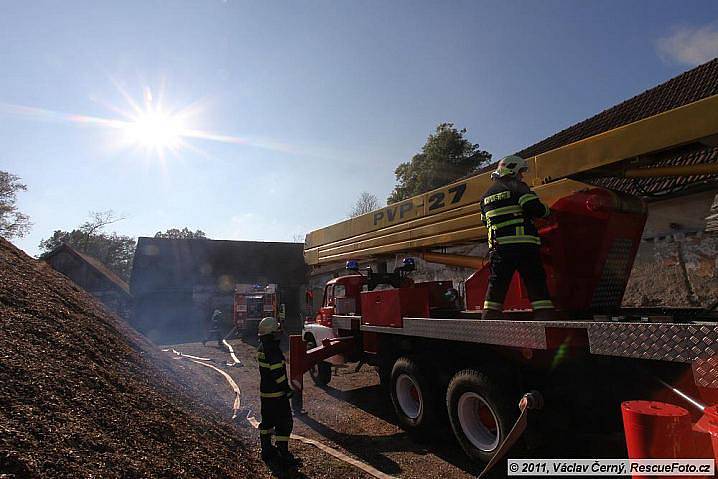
{"x":252,"y":302}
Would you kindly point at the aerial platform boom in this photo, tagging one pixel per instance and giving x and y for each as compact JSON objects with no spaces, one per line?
{"x":450,"y":215}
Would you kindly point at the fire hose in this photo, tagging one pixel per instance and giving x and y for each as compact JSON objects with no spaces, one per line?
{"x":236,"y":407}
{"x":231,"y":353}
{"x":531,"y":400}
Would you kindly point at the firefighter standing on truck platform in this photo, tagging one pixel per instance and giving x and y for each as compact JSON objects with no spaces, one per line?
{"x":274,"y":392}
{"x":507,"y":210}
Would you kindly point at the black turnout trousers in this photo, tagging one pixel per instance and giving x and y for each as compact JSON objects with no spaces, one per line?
{"x":277,"y":415}
{"x":524,"y":258}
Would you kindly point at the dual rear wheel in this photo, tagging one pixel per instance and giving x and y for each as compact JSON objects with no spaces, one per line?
{"x":480,"y":410}
{"x":411,"y":394}
{"x":481,"y":413}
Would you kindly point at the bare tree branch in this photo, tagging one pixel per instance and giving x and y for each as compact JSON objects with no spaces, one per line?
{"x":365,"y":203}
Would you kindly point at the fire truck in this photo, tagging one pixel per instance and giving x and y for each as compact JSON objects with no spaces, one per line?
{"x":600,"y":370}
{"x":252,"y":302}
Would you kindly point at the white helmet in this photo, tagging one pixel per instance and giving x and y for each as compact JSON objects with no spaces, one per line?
{"x":510,"y":166}
{"x":268,"y":325}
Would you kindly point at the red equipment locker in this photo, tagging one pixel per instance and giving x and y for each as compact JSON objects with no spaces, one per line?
{"x":388,"y":307}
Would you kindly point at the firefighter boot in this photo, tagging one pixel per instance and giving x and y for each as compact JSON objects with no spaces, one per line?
{"x":285,"y":456}
{"x":269,"y":452}
{"x":491,"y":314}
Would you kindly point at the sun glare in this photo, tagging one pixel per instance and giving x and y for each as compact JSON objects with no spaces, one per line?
{"x":148,"y":125}
{"x":155,"y":130}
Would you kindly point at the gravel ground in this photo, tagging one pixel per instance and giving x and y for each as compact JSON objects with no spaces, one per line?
{"x":353,"y":415}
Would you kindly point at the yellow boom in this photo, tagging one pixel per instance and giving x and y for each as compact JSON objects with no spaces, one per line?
{"x":450,"y":215}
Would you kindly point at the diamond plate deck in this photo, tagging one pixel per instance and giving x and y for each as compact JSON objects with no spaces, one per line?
{"x":675,"y":342}
{"x":660,"y":341}
{"x":692,"y":343}
{"x":525,"y":334}
{"x":705,"y":372}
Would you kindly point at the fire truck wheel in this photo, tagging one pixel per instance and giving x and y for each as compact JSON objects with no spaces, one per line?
{"x":411,"y":395}
{"x":481,"y":413}
{"x":321,"y":373}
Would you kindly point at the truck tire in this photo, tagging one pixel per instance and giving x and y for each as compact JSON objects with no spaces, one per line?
{"x":321,"y":374}
{"x":411,"y":396}
{"x":481,"y":413}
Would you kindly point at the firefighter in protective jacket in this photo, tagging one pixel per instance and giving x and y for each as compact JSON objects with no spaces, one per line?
{"x":507,"y":210}
{"x":274,"y":392}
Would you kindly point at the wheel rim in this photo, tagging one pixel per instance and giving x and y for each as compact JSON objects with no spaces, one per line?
{"x":478,"y":421}
{"x":408,"y":396}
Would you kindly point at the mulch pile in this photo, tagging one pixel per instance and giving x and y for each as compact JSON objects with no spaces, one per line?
{"x":84,"y":395}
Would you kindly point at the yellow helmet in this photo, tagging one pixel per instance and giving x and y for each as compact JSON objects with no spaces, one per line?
{"x":268,"y":325}
{"x":510,"y":166}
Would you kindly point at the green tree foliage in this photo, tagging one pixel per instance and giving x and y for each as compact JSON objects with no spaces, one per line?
{"x":446,"y":156}
{"x":113,"y":250}
{"x":13,"y":223}
{"x":184,"y":233}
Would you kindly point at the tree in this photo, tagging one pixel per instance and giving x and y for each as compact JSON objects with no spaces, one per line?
{"x":113,"y":250}
{"x":184,"y":233}
{"x":446,"y":156}
{"x":13,"y":223}
{"x":364,"y":204}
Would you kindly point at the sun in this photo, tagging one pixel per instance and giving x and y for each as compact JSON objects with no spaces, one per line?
{"x":156,"y":130}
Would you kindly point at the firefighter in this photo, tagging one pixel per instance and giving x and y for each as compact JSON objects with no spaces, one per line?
{"x":274,"y":392}
{"x":507,"y":210}
{"x":215,"y":328}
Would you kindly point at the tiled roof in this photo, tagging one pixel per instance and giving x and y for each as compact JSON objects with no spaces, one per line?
{"x":691,"y":86}
{"x":692,"y":155}
{"x":688,"y":87}
{"x":95,"y":264}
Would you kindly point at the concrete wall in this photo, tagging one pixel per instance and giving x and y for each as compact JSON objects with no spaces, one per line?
{"x":684,"y":214}
{"x":677,"y":262}
{"x":676,"y":271}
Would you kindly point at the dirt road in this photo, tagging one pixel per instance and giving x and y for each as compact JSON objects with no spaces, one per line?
{"x":353,"y":415}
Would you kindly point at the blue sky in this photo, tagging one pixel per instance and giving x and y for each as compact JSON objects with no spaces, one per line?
{"x":322,"y":100}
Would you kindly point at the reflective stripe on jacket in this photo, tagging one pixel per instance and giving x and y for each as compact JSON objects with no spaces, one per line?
{"x":507,"y":209}
{"x":272,"y":370}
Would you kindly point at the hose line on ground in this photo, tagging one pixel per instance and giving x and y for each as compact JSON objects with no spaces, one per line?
{"x":251,"y":419}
